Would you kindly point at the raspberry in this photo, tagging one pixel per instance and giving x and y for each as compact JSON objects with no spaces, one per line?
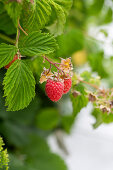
{"x":15,"y":58}
{"x":54,"y":89}
{"x":67,"y":85}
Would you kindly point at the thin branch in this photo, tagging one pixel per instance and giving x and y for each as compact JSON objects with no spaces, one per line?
{"x":61,"y":64}
{"x":53,"y":64}
{"x":50,"y":67}
{"x":92,"y":85}
{"x":17,"y":37}
{"x":22,"y":29}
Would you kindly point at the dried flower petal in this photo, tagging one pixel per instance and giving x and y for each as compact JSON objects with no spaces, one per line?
{"x":76,"y":93}
{"x":92,"y":97}
{"x":104,"y":109}
{"x":43,"y":79}
{"x":111,"y":103}
{"x":46,"y":74}
{"x":66,"y":65}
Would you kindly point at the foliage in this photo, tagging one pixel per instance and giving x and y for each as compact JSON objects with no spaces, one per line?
{"x":7,"y":53}
{"x":37,"y":43}
{"x":3,"y":156}
{"x":23,"y":84}
{"x":98,"y":58}
{"x":101,"y":118}
{"x":33,"y":30}
{"x":39,"y":156}
{"x":47,"y":119}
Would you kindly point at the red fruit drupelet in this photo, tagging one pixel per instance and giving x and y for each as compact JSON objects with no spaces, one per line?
{"x":14,"y":59}
{"x":67,"y":85}
{"x":54,"y":89}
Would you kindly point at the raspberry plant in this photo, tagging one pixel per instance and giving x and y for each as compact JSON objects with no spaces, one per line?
{"x":30,"y":18}
{"x":3,"y":156}
{"x":43,"y":46}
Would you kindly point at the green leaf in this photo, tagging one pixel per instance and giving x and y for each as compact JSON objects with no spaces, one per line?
{"x":38,"y":157}
{"x":61,"y":9}
{"x":101,"y":117}
{"x":3,"y":156}
{"x":96,"y":7}
{"x":95,"y":58}
{"x":35,"y":16}
{"x":27,"y":115}
{"x":80,"y":101}
{"x":47,"y":119}
{"x":57,"y":27}
{"x":108,"y":17}
{"x":49,"y":161}
{"x":70,"y":42}
{"x":7,"y":53}
{"x":104,"y":32}
{"x":87,"y":76}
{"x":65,"y":4}
{"x":16,"y":163}
{"x":19,"y":86}
{"x":6,"y":24}
{"x":39,"y":146}
{"x":1,"y":7}
{"x":14,"y":11}
{"x":14,"y":133}
{"x":67,"y":122}
{"x":37,"y":43}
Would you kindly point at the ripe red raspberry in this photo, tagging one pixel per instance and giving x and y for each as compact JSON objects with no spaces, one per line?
{"x":15,"y":58}
{"x":54,"y":89}
{"x":67,"y":85}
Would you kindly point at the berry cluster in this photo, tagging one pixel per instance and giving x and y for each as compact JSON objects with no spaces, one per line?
{"x":55,"y":88}
{"x":60,"y":82}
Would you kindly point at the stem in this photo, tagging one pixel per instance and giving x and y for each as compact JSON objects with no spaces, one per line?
{"x":53,"y":64}
{"x":22,"y":29}
{"x":6,"y":38}
{"x":92,"y":85}
{"x":61,"y":64}
{"x":17,"y":37}
{"x":50,"y":67}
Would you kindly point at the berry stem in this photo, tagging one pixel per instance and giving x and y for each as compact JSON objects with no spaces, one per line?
{"x":17,"y":36}
{"x":54,"y":64}
{"x":50,"y":67}
{"x":61,"y":64}
{"x":22,"y":29}
{"x":92,"y":85}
